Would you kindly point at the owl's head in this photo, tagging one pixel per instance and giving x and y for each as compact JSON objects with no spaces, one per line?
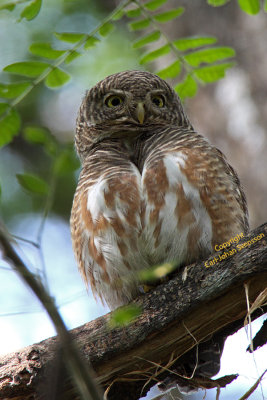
{"x":124,"y":105}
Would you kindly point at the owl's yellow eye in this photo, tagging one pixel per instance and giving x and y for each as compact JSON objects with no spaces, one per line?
{"x":158,"y":100}
{"x":113,"y":101}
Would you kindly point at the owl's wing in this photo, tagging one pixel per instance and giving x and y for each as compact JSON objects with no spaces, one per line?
{"x":105,"y":224}
{"x":239,"y":193}
{"x":193,"y":197}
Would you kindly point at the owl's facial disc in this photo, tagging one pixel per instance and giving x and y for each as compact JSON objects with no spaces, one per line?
{"x":128,"y":106}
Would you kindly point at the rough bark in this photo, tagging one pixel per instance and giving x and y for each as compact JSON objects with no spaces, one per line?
{"x":208,"y":301}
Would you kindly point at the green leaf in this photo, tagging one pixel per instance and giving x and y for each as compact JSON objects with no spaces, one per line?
{"x":172,"y":71}
{"x":156,"y":272}
{"x":106,"y":29}
{"x":212,"y":73}
{"x":118,"y":15}
{"x":140,"y":24}
{"x":136,"y":12}
{"x":217,"y":3}
{"x":27,"y":68}
{"x":187,"y":88}
{"x":169,"y":15}
{"x":124,"y":315}
{"x":32,"y":10}
{"x":151,"y":37}
{"x":251,"y":7}
{"x":56,"y":78}
{"x":209,"y":55}
{"x":36,"y":134}
{"x":193,"y":42}
{"x":45,"y":50}
{"x":33,"y":183}
{"x":9,"y":123}
{"x":8,"y":6}
{"x":72,"y":56}
{"x":66,"y":162}
{"x":69,"y":37}
{"x":90,"y":42}
{"x":155,"y":54}
{"x":11,"y":90}
{"x":265,"y":5}
{"x":154,"y":4}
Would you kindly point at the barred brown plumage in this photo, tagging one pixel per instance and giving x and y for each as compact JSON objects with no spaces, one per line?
{"x":151,"y":189}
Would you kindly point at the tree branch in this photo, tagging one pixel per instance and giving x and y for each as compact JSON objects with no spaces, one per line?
{"x":209,"y":301}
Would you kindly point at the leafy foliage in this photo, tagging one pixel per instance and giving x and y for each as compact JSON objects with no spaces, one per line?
{"x":250,"y":7}
{"x":191,"y":55}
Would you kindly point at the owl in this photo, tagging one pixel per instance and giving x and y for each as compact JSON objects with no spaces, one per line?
{"x":151,"y":189}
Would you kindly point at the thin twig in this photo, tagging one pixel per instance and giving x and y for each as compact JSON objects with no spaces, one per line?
{"x":79,"y":370}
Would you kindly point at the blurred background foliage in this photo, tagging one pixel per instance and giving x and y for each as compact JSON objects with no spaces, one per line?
{"x":38,"y":164}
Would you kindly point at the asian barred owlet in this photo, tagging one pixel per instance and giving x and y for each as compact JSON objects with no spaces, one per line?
{"x":151,"y":189}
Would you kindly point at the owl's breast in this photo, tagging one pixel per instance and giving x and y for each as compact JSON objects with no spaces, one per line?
{"x":175,"y":209}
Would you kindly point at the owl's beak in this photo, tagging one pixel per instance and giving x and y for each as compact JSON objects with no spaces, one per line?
{"x":140,"y":112}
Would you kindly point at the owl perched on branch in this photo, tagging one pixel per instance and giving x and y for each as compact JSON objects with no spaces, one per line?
{"x":151,"y":189}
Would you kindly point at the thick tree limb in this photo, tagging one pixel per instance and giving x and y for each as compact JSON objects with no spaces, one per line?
{"x":210,"y":301}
